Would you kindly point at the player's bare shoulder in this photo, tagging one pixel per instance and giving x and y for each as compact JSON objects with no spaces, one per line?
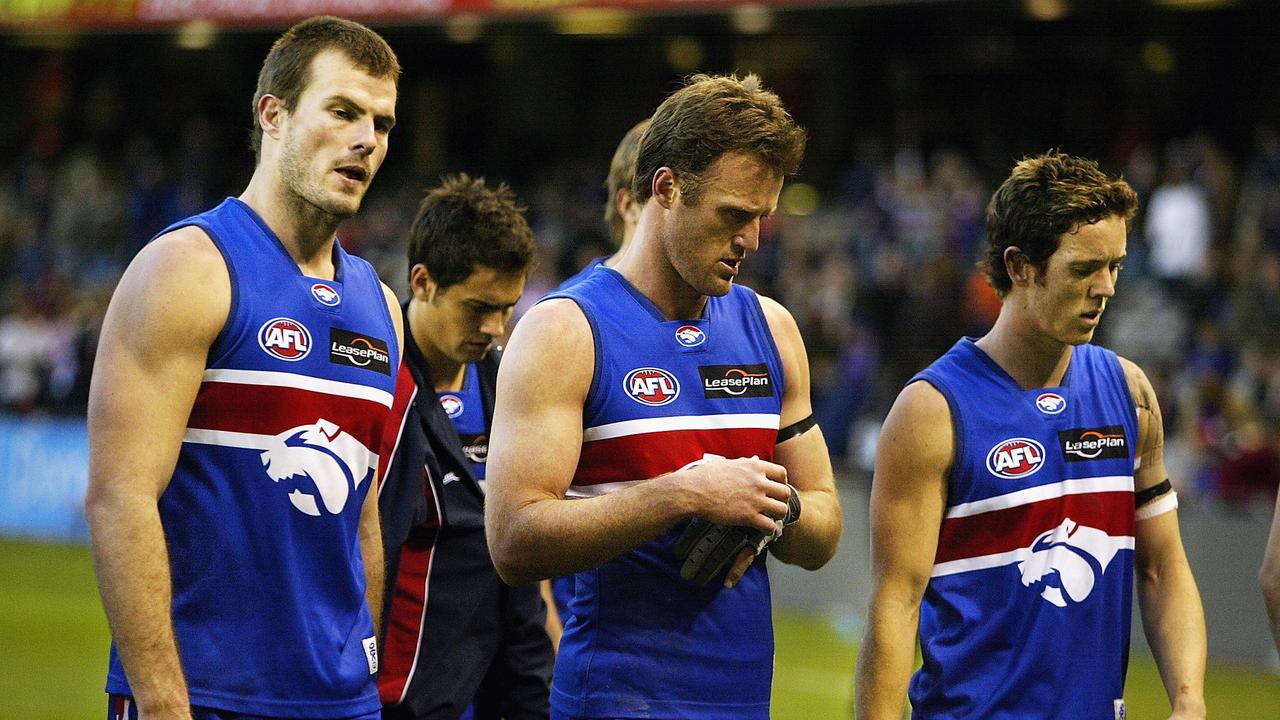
{"x":180,"y":278}
{"x":551,"y":348}
{"x":1144,"y":396}
{"x":781,"y":323}
{"x":918,"y":434}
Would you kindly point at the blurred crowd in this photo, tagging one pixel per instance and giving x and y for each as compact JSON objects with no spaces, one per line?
{"x":879,"y":268}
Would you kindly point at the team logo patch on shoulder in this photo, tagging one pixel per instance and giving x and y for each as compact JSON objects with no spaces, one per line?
{"x":651,"y":386}
{"x":1051,"y":403}
{"x":356,"y":350}
{"x":285,"y":339}
{"x":724,"y":381}
{"x":326,"y":295}
{"x":1101,"y":443}
{"x":452,"y":405}
{"x":690,"y":336}
{"x":1015,"y":458}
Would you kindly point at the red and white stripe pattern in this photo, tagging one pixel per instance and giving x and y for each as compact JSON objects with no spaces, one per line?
{"x":406,"y":616}
{"x":393,"y":430}
{"x":248,"y":408}
{"x":652,"y":446}
{"x":999,"y":531}
{"x":123,"y":708}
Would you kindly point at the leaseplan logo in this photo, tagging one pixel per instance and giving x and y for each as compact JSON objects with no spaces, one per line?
{"x":285,"y":338}
{"x":1016,"y":458}
{"x":722,"y":381}
{"x":1080,"y":444}
{"x":356,"y":350}
{"x":651,"y":386}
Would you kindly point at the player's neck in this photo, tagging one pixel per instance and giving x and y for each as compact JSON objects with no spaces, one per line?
{"x":649,"y":271}
{"x":446,"y":374}
{"x":1030,"y":358}
{"x":306,"y":232}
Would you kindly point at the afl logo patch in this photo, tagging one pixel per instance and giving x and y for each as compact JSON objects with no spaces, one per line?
{"x":651,"y":386}
{"x":285,"y":339}
{"x":1051,"y":403}
{"x":1016,"y":458}
{"x":326,"y":295}
{"x":452,"y":405}
{"x":690,"y":336}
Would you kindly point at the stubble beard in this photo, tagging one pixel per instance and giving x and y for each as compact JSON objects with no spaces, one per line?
{"x":306,"y":197}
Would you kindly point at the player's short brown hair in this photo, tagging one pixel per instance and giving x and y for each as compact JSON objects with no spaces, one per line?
{"x":287,"y":68}
{"x":1044,"y":198}
{"x":710,"y":116}
{"x":463,"y":224}
{"x":622,"y":171}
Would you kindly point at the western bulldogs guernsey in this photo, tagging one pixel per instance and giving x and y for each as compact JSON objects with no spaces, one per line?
{"x":641,"y":641}
{"x":466,"y":409}
{"x":1027,"y":611}
{"x":261,"y":516}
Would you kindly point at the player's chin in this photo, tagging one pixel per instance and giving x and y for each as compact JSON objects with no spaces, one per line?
{"x":717,"y":287}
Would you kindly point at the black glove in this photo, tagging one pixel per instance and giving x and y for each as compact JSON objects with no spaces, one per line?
{"x":706,"y":548}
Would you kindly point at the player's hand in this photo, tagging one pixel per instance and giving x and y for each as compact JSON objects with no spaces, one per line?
{"x":743,"y":492}
{"x":706,"y":548}
{"x":739,"y":567}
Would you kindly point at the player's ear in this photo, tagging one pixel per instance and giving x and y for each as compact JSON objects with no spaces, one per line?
{"x":270,"y":113}
{"x":628,"y":208}
{"x":421,"y":286}
{"x":665,"y":187}
{"x":1018,"y":265}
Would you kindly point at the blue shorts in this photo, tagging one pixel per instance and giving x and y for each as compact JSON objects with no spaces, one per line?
{"x":120,"y":707}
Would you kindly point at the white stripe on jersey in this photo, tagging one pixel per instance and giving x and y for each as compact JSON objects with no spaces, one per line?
{"x":1008,"y":558}
{"x":739,"y":421}
{"x":270,"y":378}
{"x":586,"y":491}
{"x":1107,"y":483}
{"x":226,"y":438}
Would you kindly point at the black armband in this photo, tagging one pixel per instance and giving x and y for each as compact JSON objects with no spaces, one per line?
{"x":794,"y":429}
{"x":1142,"y":497}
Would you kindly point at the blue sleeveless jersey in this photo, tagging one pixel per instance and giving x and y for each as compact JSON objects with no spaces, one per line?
{"x":582,"y":274}
{"x":562,"y":587}
{"x":261,"y":516}
{"x":1026,"y":614}
{"x":465,"y":408}
{"x":640,"y":641}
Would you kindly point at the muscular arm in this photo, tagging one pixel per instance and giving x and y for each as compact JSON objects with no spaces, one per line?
{"x":908,"y":497}
{"x":1172,"y":615}
{"x":370,"y":522}
{"x":532,"y":530}
{"x":811,"y":541}
{"x":1269,"y":575}
{"x":168,"y":309}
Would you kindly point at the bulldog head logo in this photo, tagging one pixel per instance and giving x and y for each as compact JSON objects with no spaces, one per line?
{"x":335,"y":462}
{"x":1067,"y":561}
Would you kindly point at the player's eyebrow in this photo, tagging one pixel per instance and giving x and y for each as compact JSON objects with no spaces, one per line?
{"x":386,"y":121}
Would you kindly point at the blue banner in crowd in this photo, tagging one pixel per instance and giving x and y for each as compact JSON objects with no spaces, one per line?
{"x":44,"y":471}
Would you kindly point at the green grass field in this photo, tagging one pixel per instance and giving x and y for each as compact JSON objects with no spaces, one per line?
{"x":53,"y":647}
